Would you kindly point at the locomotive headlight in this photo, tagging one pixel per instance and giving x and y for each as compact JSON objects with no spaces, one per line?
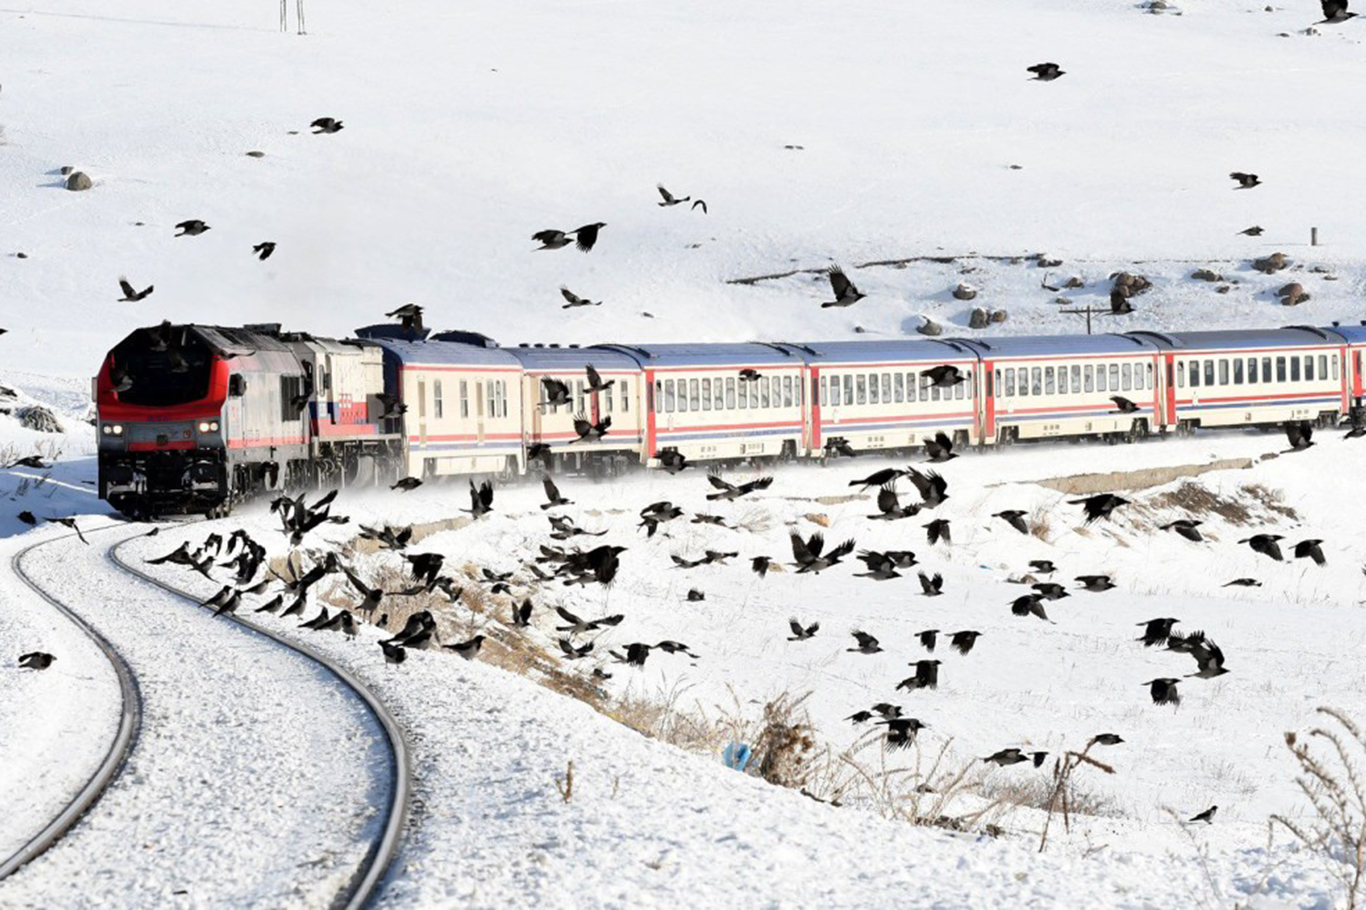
{"x":208,"y":426}
{"x":106,"y":429}
{"x":112,"y":429}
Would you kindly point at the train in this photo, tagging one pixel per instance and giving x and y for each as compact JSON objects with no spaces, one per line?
{"x":199,"y":418}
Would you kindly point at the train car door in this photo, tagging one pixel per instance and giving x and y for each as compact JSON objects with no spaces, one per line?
{"x":1356,"y":373}
{"x":535,"y":412}
{"x":987,"y":389}
{"x":811,"y":416}
{"x":1169,"y":390}
{"x":479,"y":411}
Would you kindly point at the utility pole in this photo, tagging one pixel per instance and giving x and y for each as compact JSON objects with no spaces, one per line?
{"x":1087,"y":311}
{"x":298,"y":16}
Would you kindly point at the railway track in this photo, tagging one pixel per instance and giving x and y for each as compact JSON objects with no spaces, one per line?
{"x":390,"y":800}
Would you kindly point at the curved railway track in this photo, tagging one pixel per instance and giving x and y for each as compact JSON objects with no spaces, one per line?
{"x":364,"y":883}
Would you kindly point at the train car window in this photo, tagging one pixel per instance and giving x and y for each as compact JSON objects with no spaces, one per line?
{"x":912,"y":380}
{"x":694,"y":395}
{"x":1323,"y":366}
{"x":437,"y":405}
{"x":755,"y":400}
{"x":1308,"y":367}
{"x":1036,"y":381}
{"x":421,"y":399}
{"x":1062,"y":380}
{"x":1251,"y":370}
{"x":824,"y":393}
{"x":1088,"y":378}
{"x":626,"y":396}
{"x":682,"y":395}
{"x":658,"y":398}
{"x":1294,"y":369}
{"x":1076,"y":379}
{"x":1209,"y":372}
{"x":886,"y":387}
{"x":465,"y":398}
{"x":1010,"y":382}
{"x":669,"y":404}
{"x":742,"y":388}
{"x":730,"y":393}
{"x":874,"y":396}
{"x":1126,"y":377}
{"x":1266,"y":369}
{"x":1049,"y":386}
{"x":861,"y":388}
{"x":719,"y":399}
{"x":1114,"y":377}
{"x":1223,"y":371}
{"x":964,"y":388}
{"x":607,"y":397}
{"x":490,"y":398}
{"x":899,"y":387}
{"x":1237,"y":371}
{"x":706,"y":394}
{"x":1280,"y":369}
{"x":789,"y":391}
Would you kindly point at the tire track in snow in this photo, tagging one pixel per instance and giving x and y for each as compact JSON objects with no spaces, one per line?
{"x":261,"y":776}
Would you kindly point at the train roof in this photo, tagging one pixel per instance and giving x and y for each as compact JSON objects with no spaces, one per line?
{"x":1352,"y":334}
{"x":240,"y":341}
{"x":1056,"y":345}
{"x":880,"y":350}
{"x":700,"y":354}
{"x":1288,"y":337}
{"x":410,"y":351}
{"x":536,"y":357}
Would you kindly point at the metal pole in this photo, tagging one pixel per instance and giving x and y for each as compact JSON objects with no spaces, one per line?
{"x":1313,"y":236}
{"x":299,"y":12}
{"x":284,"y":15}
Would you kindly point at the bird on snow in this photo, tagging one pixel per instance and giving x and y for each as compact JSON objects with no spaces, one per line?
{"x":467,"y":649}
{"x":1163,"y":691}
{"x":574,"y":300}
{"x":1300,"y":435}
{"x":932,"y":587}
{"x":552,"y":495}
{"x":406,"y":484}
{"x":1045,"y":72}
{"x":481,"y":499}
{"x":36,"y":660}
{"x":801,"y":633}
{"x":1266,"y":544}
{"x":938,"y":530}
{"x":69,"y":523}
{"x":1096,"y":584}
{"x":326,"y":125}
{"x":962,"y":642}
{"x":1014,"y":518}
{"x":1157,"y":631}
{"x":264,"y":250}
{"x":878,"y":478}
{"x":1043,"y":566}
{"x":1099,"y":506}
{"x":1243,"y":583}
{"x":393,"y":654}
{"x":867,"y":644}
{"x":1245,"y":181}
{"x":1254,"y":231}
{"x":1309,"y":549}
{"x":1208,"y":815}
{"x":192,"y":228}
{"x":29,"y":518}
{"x":1334,"y":11}
{"x":130,"y":295}
{"x":940,"y":448}
{"x":1188,"y":528}
{"x":845,"y":292}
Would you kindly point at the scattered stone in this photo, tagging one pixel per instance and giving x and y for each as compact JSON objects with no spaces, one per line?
{"x":1206,"y":275}
{"x":1272,"y":264}
{"x":818,"y":518}
{"x":1330,"y":278}
{"x":964,"y":292}
{"x":859,"y":330}
{"x":21,"y":255}
{"x":999,"y":316}
{"x":256,"y":154}
{"x":979,"y":318}
{"x":930,"y":328}
{"x":1046,"y":263}
{"x":38,"y":418}
{"x":1319,"y":270}
{"x":66,"y":169}
{"x":78,"y":181}
{"x":1222,"y":289}
{"x":1073,"y":283}
{"x":1128,"y":285}
{"x":1292,"y":294}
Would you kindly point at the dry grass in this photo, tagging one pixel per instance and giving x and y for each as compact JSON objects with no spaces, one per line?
{"x":1113,"y":481}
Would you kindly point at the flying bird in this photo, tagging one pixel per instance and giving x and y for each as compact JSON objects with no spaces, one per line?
{"x":1266,"y":544}
{"x":701,"y":202}
{"x":1043,"y":566}
{"x":1006,"y":757}
{"x":1309,"y":549}
{"x":1045,"y":72}
{"x":878,"y":478}
{"x":595,"y":383}
{"x":940,"y":448}
{"x":326,"y":125}
{"x":1243,"y":583}
{"x":800,"y":632}
{"x":962,"y":642}
{"x":890,"y":507}
{"x":130,"y":295}
{"x":1209,"y":660}
{"x":1187,"y":527}
{"x":1163,"y":691}
{"x":867,"y":644}
{"x":845,"y":292}
{"x":587,"y":431}
{"x":467,"y":649}
{"x":669,"y":198}
{"x":552,"y":495}
{"x":1254,"y":231}
{"x":1014,"y":518}
{"x":192,"y":228}
{"x":1099,"y":506}
{"x":809,"y":556}
{"x":932,"y":487}
{"x":932,"y":587}
{"x":264,"y":250}
{"x":1124,"y":405}
{"x":586,"y":236}
{"x":730,"y":491}
{"x":574,"y":300}
{"x":36,"y":660}
{"x":938,"y":530}
{"x":409,"y":316}
{"x":1096,"y":584}
{"x":1106,"y":739}
{"x":556,"y":392}
{"x":928,"y":638}
{"x":901,"y":731}
{"x":1157,"y":631}
{"x":945,"y":376}
{"x":1029,"y":604}
{"x":406,"y":484}
{"x":1245,"y":181}
{"x":481,"y":499}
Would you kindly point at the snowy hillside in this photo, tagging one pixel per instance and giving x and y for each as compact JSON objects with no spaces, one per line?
{"x":467,"y":127}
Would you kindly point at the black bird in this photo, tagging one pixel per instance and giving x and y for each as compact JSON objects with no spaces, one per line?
{"x":940,"y":448}
{"x":574,"y":653}
{"x":880,"y":566}
{"x":845,"y":292}
{"x":669,"y":646}
{"x":326,"y":125}
{"x":839,"y":446}
{"x":1107,"y":739}
{"x":425,"y":566}
{"x":1045,"y":72}
{"x":296,"y":608}
{"x":192,"y":228}
{"x":1043,"y":566}
{"x":1358,"y":426}
{"x":595,"y":383}
{"x":1266,"y":544}
{"x":759,"y":565}
{"x":1006,"y":757}
{"x":945,"y":376}
{"x":579,"y":626}
{"x":809,"y":557}
{"x":926,"y":676}
{"x":1124,"y":405}
{"x":573,"y":300}
{"x":1156,"y":631}
{"x":587,"y":235}
{"x":1050,"y":590}
{"x":29,"y":518}
{"x":316,"y":621}
{"x":932,"y":587}
{"x":890,"y":507}
{"x":1096,"y":584}
{"x":655,"y":514}
{"x":1185,"y":644}
{"x":407,"y":484}
{"x":695,"y":596}
{"x":130,"y":295}
{"x":1309,"y":549}
{"x":1300,"y":435}
{"x":702,"y":518}
{"x":1164,"y":691}
{"x":552,"y":495}
{"x":1209,"y":660}
{"x":271,"y":605}
{"x":551,"y":239}
{"x":393,"y":654}
{"x":672,"y":460}
{"x":588,"y":431}
{"x":1243,"y":583}
{"x":372,"y":596}
{"x":860,"y":717}
{"x":867,"y":644}
{"x":230,"y":603}
{"x":962,"y":642}
{"x":409,"y":316}
{"x":878,"y":478}
{"x":467,"y":649}
{"x":1188,"y":528}
{"x":938,"y":530}
{"x":1014,"y":518}
{"x":556,"y":392}
{"x":636,"y":653}
{"x":1038,"y":758}
{"x":928,"y":639}
{"x":701,"y":202}
{"x":669,"y":198}
{"x":901,"y":731}
{"x":730,"y":491}
{"x":933,"y":488}
{"x":800,"y":633}
{"x":1027,"y":604}
{"x":1254,"y":231}
{"x":1245,"y":181}
{"x":264,"y":250}
{"x":69,"y":523}
{"x":1100,"y":505}
{"x":481,"y":499}
{"x":36,"y":660}
{"x":1208,"y":815}
{"x":749,"y":375}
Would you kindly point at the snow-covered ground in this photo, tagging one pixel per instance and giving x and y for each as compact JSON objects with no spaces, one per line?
{"x":902,"y":134}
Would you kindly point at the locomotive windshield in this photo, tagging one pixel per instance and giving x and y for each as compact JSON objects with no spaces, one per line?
{"x":161,"y":366}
